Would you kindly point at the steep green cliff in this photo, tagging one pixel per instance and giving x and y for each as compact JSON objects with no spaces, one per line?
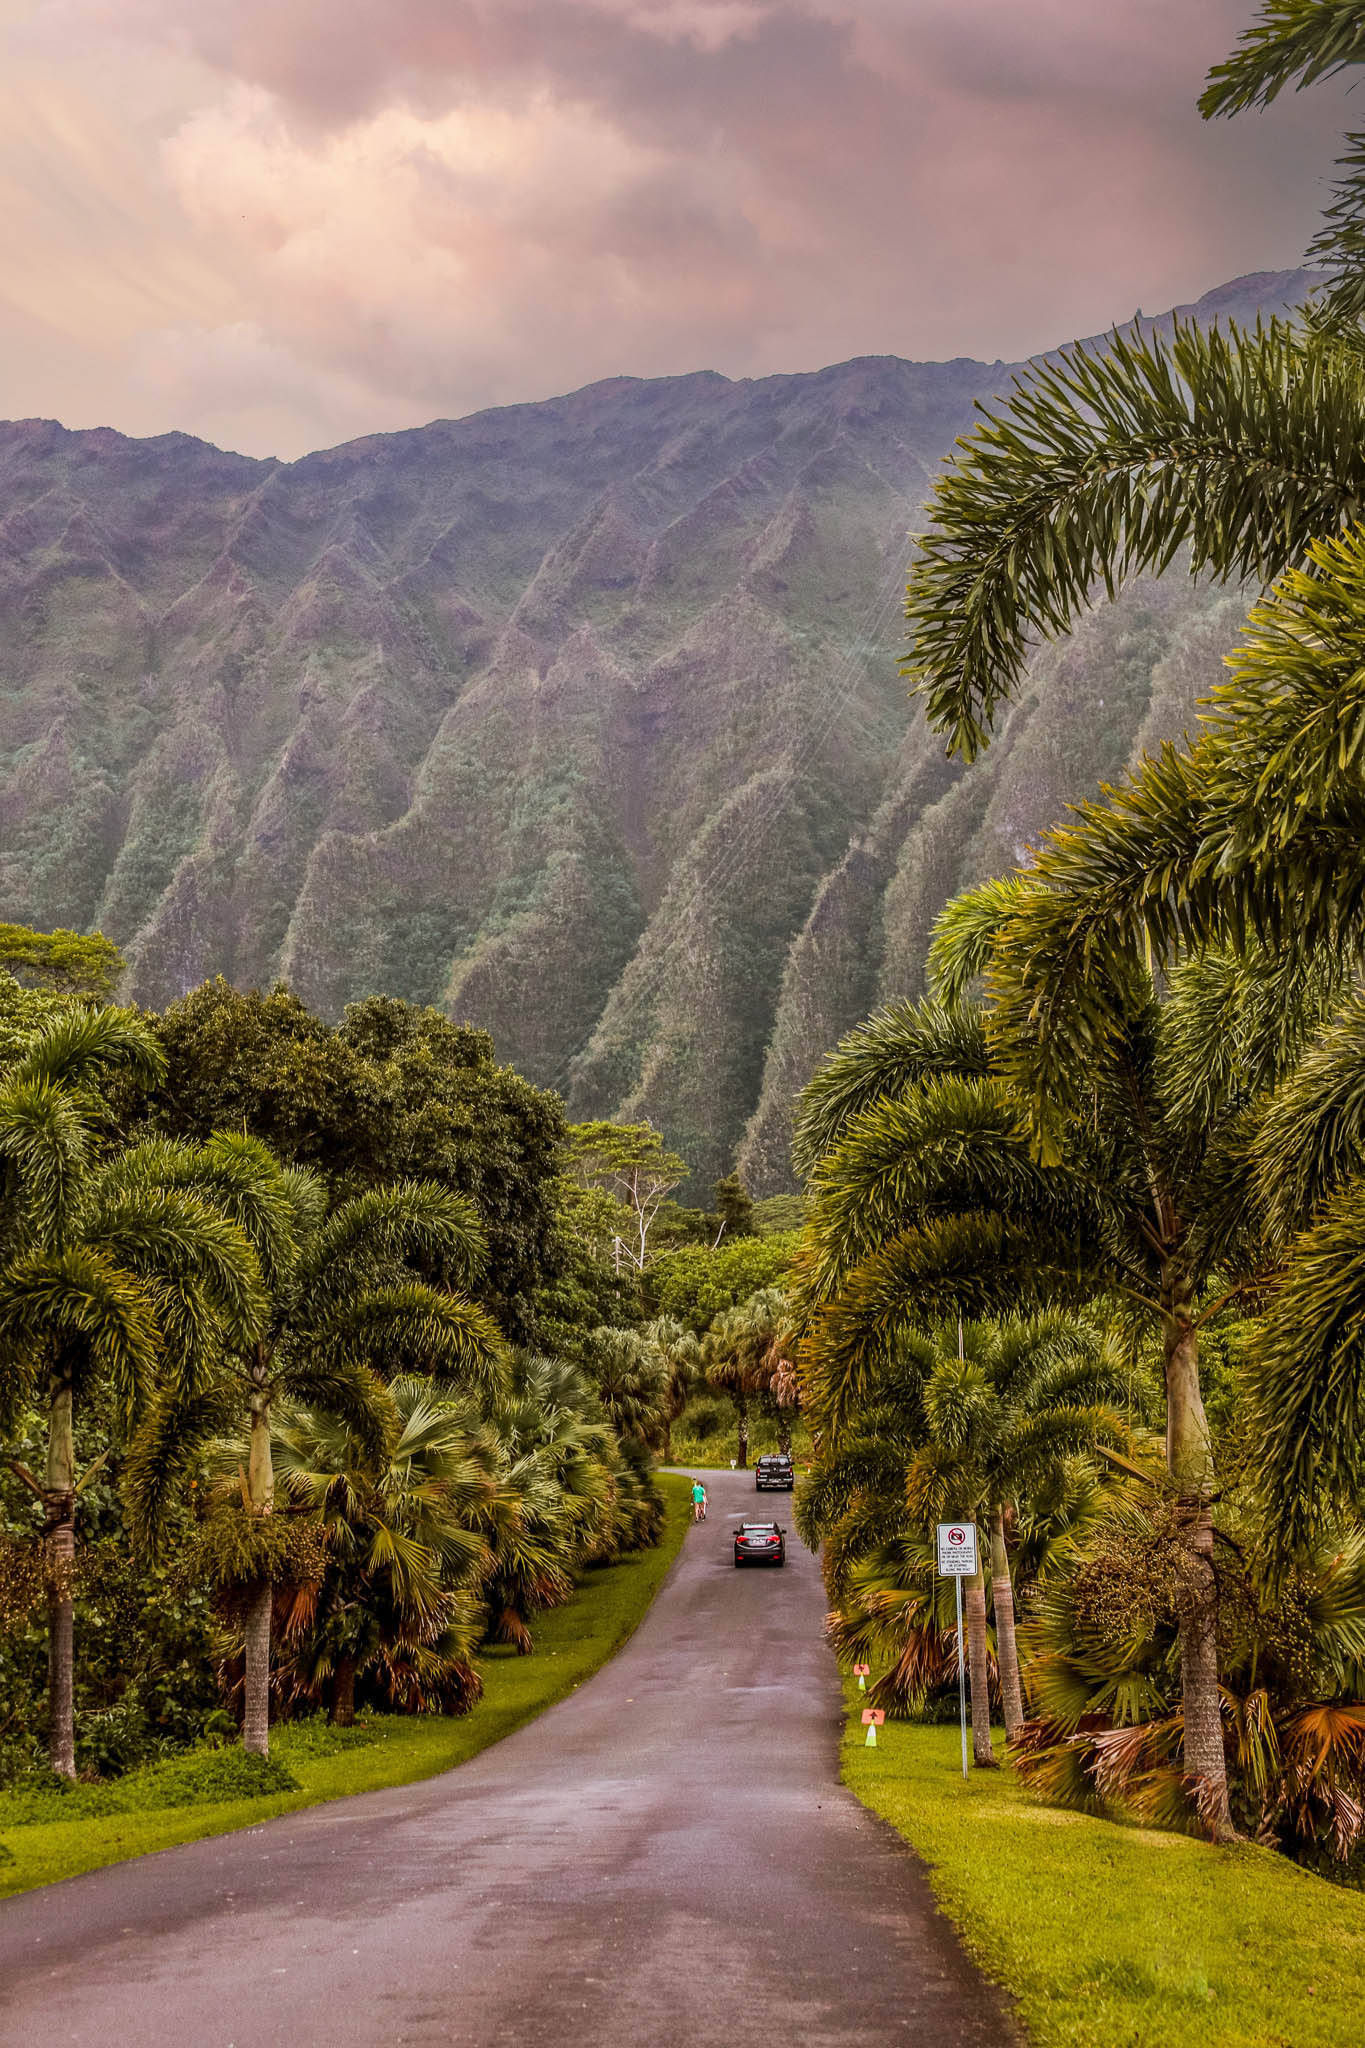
{"x":579,"y":719}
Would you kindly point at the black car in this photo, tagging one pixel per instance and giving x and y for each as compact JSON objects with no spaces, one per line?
{"x":760,"y":1543}
{"x":774,"y":1470}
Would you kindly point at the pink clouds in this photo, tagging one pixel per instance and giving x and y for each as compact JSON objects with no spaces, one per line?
{"x":420,"y":206}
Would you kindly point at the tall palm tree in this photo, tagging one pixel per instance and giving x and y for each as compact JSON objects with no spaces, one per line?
{"x":740,"y":1354}
{"x":108,"y":1266}
{"x":345,"y":1309}
{"x":938,"y":1198}
{"x":970,"y":1420}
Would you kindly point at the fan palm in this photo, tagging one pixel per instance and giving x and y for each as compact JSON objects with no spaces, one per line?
{"x":110,"y":1263}
{"x":1103,"y":1652}
{"x":344,"y":1309}
{"x":406,"y":1557}
{"x":680,"y":1356}
{"x":557,"y":1504}
{"x":632,"y":1377}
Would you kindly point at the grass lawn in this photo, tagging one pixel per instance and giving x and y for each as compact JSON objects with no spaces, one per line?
{"x":571,"y":1643}
{"x":1119,"y":1937}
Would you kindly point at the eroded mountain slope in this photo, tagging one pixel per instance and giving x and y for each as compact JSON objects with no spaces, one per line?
{"x":580,"y":719}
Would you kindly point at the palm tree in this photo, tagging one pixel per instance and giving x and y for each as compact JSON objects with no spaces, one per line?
{"x":741,"y":1353}
{"x":108,"y":1264}
{"x":558,"y":1501}
{"x":406,"y":1556}
{"x":680,"y":1355}
{"x":344,"y":1309}
{"x":1243,"y":448}
{"x":938,"y":1198}
{"x":632,"y":1381}
{"x":969,"y":1421}
{"x":1102,"y":1644}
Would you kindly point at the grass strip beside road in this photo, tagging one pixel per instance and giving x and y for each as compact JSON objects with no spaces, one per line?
{"x":572,"y":1642}
{"x":1110,"y":1936}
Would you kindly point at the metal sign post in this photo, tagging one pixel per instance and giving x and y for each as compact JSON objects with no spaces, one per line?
{"x":957,"y":1561}
{"x":961,"y":1676}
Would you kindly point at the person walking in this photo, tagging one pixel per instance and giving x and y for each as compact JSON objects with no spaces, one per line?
{"x":698,"y":1501}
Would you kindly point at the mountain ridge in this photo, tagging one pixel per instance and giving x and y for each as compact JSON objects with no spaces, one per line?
{"x":580,"y":718}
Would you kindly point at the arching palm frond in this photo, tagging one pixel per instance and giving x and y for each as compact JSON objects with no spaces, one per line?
{"x":235,"y":1175}
{"x":46,"y":1150}
{"x":1311,"y":1135}
{"x":1242,"y":446}
{"x":1306,"y":1376}
{"x":81,"y":1293}
{"x":177,"y":1238}
{"x":80,"y":1046}
{"x":411,"y":1327}
{"x":950,"y":1145}
{"x":1290,"y":43}
{"x":966,"y":931}
{"x":169,"y":1439}
{"x":898,"y":1048}
{"x":390,"y":1225}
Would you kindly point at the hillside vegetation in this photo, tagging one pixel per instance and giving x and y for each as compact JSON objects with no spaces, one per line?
{"x":580,"y":720}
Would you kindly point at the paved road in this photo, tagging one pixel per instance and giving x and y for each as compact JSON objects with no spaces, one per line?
{"x":665,"y":1858}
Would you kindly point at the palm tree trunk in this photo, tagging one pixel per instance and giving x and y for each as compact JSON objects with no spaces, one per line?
{"x":59,"y":1528}
{"x":742,"y":1414}
{"x":1006,"y":1648}
{"x":978,"y":1663}
{"x":343,"y":1693}
{"x":1189,"y":1458}
{"x":261,"y":1498}
{"x":256,"y":1721}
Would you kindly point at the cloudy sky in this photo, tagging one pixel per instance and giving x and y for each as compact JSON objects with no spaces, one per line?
{"x":279,"y":223}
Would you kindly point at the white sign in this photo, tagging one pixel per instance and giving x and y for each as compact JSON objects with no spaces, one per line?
{"x":957,"y":1549}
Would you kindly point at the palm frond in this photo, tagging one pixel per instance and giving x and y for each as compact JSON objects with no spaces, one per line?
{"x":401,"y":1221}
{"x":79,"y":1046}
{"x":1241,"y":446}
{"x":411,"y":1327}
{"x":1290,"y":43}
{"x":80,"y":1293}
{"x":896,"y":1049}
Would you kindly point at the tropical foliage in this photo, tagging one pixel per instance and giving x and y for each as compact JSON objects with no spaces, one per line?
{"x":1137,"y":1096}
{"x":256,"y":1359}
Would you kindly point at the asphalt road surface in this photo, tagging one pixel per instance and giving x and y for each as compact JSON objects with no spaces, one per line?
{"x":665,"y":1858}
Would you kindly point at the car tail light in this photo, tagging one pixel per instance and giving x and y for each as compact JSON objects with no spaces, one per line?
{"x":774,"y":1539}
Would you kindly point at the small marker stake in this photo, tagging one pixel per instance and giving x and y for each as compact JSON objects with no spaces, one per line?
{"x":873,"y":1719}
{"x":860,"y":1672}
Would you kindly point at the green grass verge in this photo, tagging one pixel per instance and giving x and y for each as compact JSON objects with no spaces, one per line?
{"x":1119,"y":1937}
{"x":571,"y":1643}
